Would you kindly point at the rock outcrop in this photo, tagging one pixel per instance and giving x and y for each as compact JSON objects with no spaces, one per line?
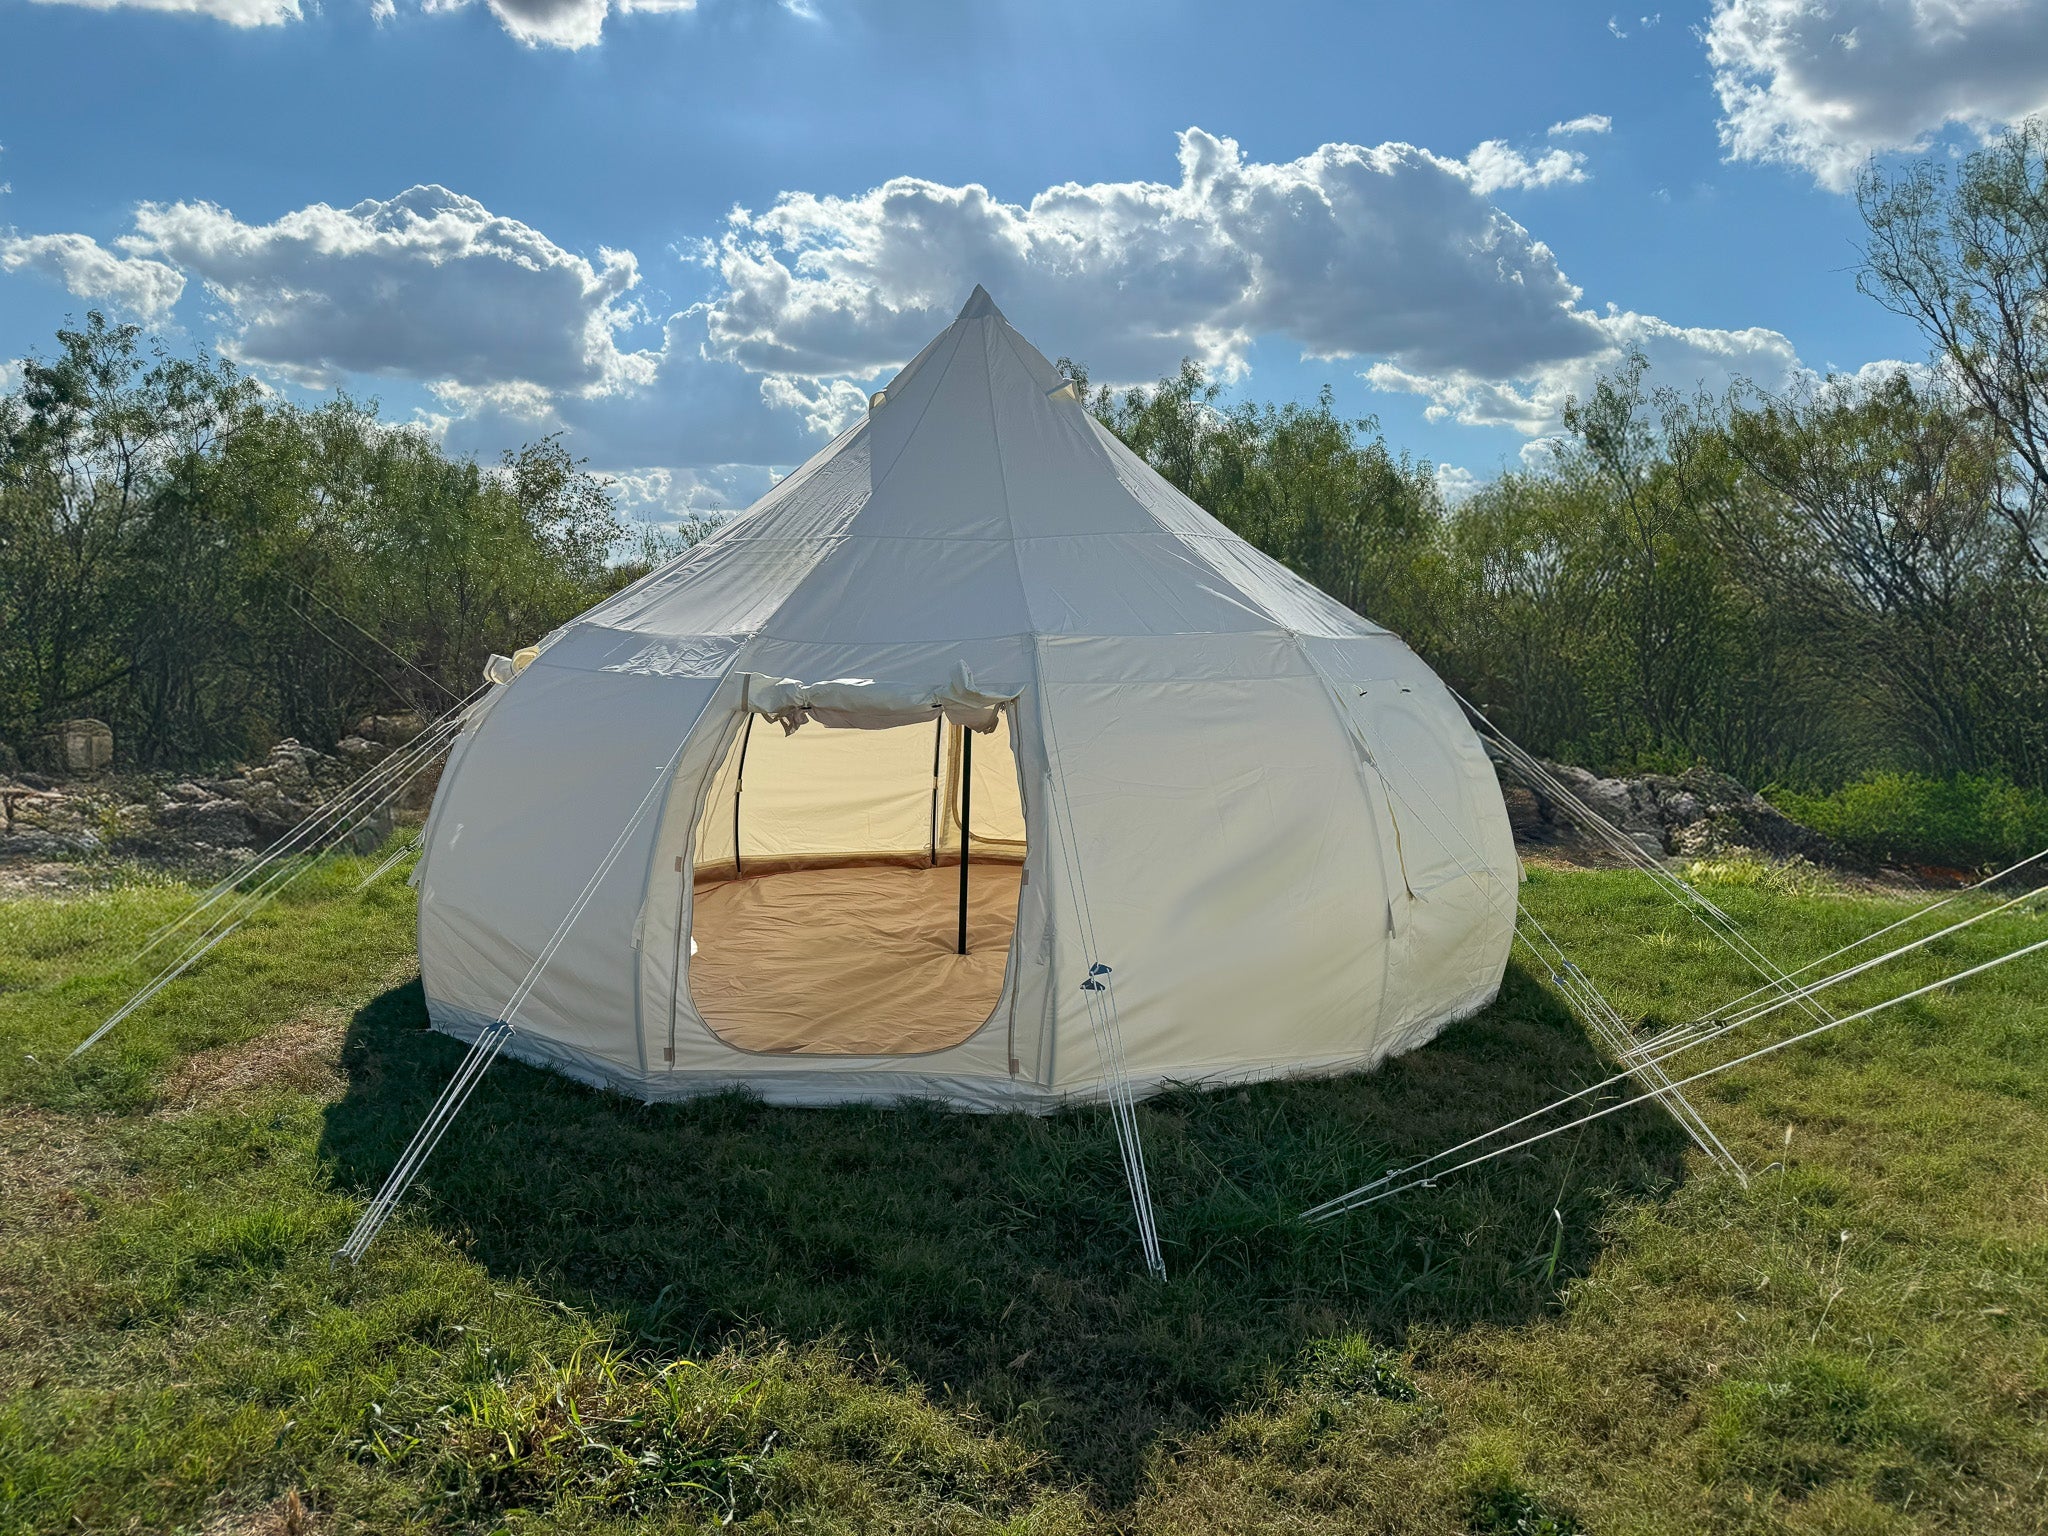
{"x":201,"y":819}
{"x":1692,"y":815}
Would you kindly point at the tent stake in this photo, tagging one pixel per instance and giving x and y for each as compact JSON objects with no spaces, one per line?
{"x":966,"y":802}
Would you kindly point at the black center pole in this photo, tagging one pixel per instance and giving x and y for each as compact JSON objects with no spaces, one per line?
{"x":938,"y":743}
{"x":966,"y":804}
{"x":739,"y":784}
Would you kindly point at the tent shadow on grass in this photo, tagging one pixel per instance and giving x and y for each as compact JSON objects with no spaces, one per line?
{"x":993,"y":1257}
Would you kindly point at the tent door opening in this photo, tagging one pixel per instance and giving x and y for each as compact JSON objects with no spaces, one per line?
{"x":856,"y":891}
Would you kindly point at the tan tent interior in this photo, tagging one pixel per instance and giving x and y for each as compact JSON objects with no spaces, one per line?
{"x":828,"y":899}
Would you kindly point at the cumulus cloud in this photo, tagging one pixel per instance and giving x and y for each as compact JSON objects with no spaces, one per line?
{"x":563,"y":23}
{"x":1825,"y":84}
{"x":1592,"y":122}
{"x":1456,"y":485}
{"x":1388,"y":250}
{"x":1681,"y":357}
{"x":693,"y":410}
{"x":514,"y":335}
{"x":1391,"y":256}
{"x":428,"y":285}
{"x":236,"y":13}
{"x":1495,"y":167}
{"x":1873,"y":375}
{"x":664,"y":496}
{"x":144,"y":288}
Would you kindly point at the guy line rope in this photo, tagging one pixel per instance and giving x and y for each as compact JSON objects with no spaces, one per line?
{"x":1667,"y":1054}
{"x":1098,"y":990}
{"x":1404,"y":1179}
{"x":1577,"y":987}
{"x":484,"y":1049}
{"x":372,"y":790}
{"x":1706,"y":912}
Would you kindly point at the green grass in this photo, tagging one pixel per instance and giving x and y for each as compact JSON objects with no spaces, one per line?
{"x":596,"y":1315}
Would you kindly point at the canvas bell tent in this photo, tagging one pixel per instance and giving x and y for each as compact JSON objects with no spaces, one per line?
{"x":975,"y":763}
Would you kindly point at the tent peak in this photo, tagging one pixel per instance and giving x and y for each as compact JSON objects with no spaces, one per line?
{"x":978,"y":306}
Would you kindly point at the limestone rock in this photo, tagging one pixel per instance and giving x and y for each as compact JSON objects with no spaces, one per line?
{"x":85,"y":746}
{"x":1695,"y":814}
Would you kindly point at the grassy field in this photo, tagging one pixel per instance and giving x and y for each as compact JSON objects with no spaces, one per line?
{"x":595,"y":1315}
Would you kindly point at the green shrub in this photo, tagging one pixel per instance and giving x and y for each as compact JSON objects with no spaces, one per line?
{"x":1964,"y":820}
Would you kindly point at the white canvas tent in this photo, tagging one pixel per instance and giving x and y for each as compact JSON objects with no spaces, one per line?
{"x":974,"y":624}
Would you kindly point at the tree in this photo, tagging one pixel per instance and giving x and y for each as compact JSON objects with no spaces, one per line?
{"x":1871,"y":517}
{"x":87,"y":441}
{"x":209,"y":567}
{"x":1964,"y":255}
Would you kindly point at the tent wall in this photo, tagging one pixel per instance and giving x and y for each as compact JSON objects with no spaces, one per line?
{"x":1454,"y":914}
{"x":1229,"y":869}
{"x":554,"y":773}
{"x":826,"y":795}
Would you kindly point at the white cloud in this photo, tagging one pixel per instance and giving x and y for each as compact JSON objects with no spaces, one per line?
{"x":692,"y":411}
{"x":1826,"y":84}
{"x":551,"y":23}
{"x":563,"y":23}
{"x":1391,"y":251}
{"x":1390,"y":255}
{"x":1495,"y":167}
{"x":1456,"y":484}
{"x":1680,"y":357}
{"x":236,"y":13}
{"x":513,"y":335}
{"x":146,"y":289}
{"x":1873,"y":375}
{"x":663,"y":497}
{"x":427,"y":285}
{"x":825,"y":406}
{"x":1591,"y":122}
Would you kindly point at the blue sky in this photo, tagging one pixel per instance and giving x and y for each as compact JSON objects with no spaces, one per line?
{"x":506,"y":219}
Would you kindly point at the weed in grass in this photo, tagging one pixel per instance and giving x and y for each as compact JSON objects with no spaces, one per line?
{"x":1497,"y":1505}
{"x":1349,"y":1367}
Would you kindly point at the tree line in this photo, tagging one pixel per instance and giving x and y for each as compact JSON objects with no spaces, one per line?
{"x":1800,"y":588}
{"x":209,"y":568}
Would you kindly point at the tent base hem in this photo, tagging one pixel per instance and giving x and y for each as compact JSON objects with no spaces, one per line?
{"x":887,"y":1083}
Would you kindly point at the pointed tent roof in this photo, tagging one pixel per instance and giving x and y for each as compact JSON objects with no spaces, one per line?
{"x":977,"y":498}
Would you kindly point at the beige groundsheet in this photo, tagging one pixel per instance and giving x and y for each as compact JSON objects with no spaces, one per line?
{"x":852,"y":961}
